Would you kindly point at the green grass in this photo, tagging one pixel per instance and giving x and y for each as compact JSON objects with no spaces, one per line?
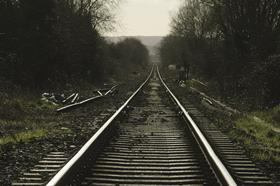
{"x":27,"y":124}
{"x":259,"y":132}
{"x":24,"y":117}
{"x":22,"y":136}
{"x":271,"y":116}
{"x":19,"y":108}
{"x":31,"y":134}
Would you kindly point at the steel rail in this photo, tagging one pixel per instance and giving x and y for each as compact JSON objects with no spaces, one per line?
{"x":61,"y":177}
{"x":213,"y":159}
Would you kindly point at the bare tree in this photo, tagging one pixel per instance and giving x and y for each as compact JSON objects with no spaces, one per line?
{"x":101,"y":12}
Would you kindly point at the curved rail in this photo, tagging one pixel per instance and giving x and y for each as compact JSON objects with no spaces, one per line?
{"x":62,"y":176}
{"x":213,"y":159}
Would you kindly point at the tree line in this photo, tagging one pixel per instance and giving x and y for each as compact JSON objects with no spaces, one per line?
{"x":234,"y":43}
{"x":47,"y":41}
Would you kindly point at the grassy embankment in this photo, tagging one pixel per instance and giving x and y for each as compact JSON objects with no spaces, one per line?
{"x":24,"y":116}
{"x":257,"y":130}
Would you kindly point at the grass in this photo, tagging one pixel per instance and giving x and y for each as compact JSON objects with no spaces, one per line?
{"x":24,"y":117}
{"x":260,"y":133}
{"x":31,"y":134}
{"x":22,"y":136}
{"x":271,"y":116}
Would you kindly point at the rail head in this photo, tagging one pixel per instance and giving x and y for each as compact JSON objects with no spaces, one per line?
{"x":224,"y":175}
{"x":59,"y":178}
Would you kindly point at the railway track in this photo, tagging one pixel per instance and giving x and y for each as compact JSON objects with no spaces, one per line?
{"x":150,"y":140}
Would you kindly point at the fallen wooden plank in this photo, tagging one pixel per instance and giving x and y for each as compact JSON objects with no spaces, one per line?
{"x":74,"y":105}
{"x":212,"y":100}
{"x":71,"y":106}
{"x":68,"y":98}
{"x":75,"y":98}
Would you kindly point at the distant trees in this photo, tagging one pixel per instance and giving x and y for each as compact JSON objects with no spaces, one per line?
{"x":128,"y":54}
{"x":233,"y":42}
{"x":131,"y":50}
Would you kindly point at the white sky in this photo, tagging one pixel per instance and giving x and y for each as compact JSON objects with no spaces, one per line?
{"x":145,"y":17}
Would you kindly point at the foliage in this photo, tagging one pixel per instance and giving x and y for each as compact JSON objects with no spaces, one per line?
{"x":231,"y":42}
{"x":47,"y":42}
{"x":131,"y":50}
{"x":126,"y":55}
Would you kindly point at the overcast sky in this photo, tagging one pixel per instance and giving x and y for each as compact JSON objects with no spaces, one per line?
{"x":145,"y":17}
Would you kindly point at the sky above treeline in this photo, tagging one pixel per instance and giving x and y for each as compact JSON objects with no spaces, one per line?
{"x":145,"y":17}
